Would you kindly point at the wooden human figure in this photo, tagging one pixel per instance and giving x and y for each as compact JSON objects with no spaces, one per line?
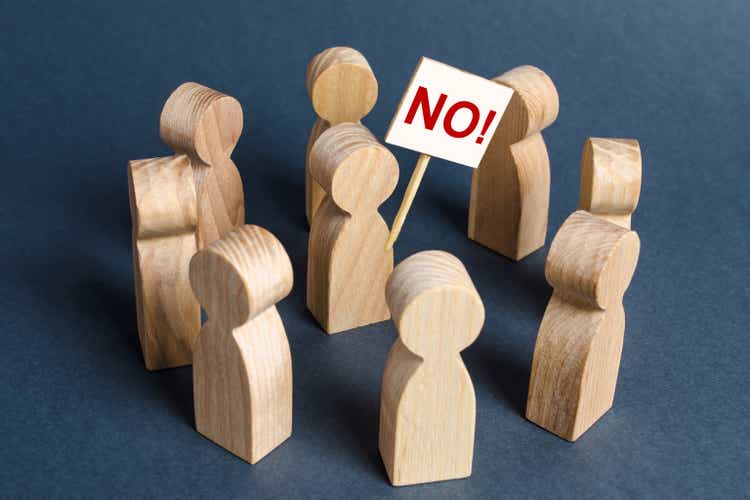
{"x":165,"y":219}
{"x":578,"y":347}
{"x":242,"y":367}
{"x":206,"y":125}
{"x":342,"y":88}
{"x":428,"y":407}
{"x":347,"y":262}
{"x":178,"y":204}
{"x":611,"y":178}
{"x":510,"y":188}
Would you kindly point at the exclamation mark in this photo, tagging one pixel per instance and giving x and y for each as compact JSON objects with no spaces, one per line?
{"x":490,"y":117}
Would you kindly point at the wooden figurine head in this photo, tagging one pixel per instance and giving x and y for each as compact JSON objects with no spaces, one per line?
{"x":341,"y":85}
{"x":534,"y":105}
{"x":162,"y":197}
{"x":591,"y":261}
{"x":239,"y":276}
{"x":201,"y":122}
{"x":351,"y":165}
{"x":611,"y":178}
{"x":433,"y":302}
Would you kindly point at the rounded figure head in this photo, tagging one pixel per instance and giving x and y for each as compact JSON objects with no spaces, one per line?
{"x":241,"y":275}
{"x":201,"y":122}
{"x":592,"y":260}
{"x":353,"y":167}
{"x":434,"y":304}
{"x":610,"y":175}
{"x":162,"y":196}
{"x":535,"y":102}
{"x":341,"y":85}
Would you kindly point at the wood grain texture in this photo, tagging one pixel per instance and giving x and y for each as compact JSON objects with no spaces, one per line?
{"x":577,"y":353}
{"x":178,"y":205}
{"x":611,"y":178}
{"x":428,"y":406}
{"x":164,"y":214}
{"x":342,"y":88}
{"x":206,"y":125}
{"x":510,"y":188}
{"x":314,"y":193}
{"x":242,"y":368}
{"x":347,"y":265}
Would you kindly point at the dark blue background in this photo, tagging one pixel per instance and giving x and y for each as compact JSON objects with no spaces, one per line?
{"x":83,"y":83}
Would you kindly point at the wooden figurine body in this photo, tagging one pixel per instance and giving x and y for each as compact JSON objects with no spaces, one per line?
{"x":206,"y":125}
{"x":611,"y":178}
{"x":428,"y":406}
{"x":179,"y":204}
{"x":164,"y":214}
{"x":342,"y":88}
{"x":242,"y":373}
{"x":577,"y":352}
{"x":510,"y":188}
{"x":348,"y":264}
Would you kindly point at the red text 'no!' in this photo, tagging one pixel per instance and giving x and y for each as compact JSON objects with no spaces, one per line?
{"x":448,"y":113}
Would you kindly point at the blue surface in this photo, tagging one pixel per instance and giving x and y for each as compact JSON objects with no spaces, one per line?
{"x":82,"y":84}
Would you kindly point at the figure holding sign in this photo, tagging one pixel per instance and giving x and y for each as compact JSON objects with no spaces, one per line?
{"x":510,"y":189}
{"x":447,"y":113}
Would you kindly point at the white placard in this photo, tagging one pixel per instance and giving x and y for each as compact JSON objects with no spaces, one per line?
{"x":448,"y":113}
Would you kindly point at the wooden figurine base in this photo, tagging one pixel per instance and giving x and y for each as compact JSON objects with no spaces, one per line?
{"x":577,"y":352}
{"x":242,"y":368}
{"x":428,"y":406}
{"x":510,"y":189}
{"x":347,"y":262}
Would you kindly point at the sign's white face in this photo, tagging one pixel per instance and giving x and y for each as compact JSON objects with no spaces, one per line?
{"x":448,"y":113}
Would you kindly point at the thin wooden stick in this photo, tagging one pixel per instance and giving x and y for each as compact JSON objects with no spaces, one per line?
{"x":411,"y":192}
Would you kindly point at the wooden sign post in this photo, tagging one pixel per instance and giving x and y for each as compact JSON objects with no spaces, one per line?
{"x":447,"y":113}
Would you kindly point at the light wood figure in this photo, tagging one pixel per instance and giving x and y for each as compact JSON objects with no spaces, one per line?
{"x":578,"y":347}
{"x":206,"y":125}
{"x":165,"y":218}
{"x":342,"y":88}
{"x":611,"y":178}
{"x":510,"y":188}
{"x":428,"y":407}
{"x":178,"y":205}
{"x":347,"y":263}
{"x":242,"y":368}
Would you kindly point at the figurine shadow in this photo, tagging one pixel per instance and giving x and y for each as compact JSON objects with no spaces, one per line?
{"x":450,"y":209}
{"x":110,"y":306}
{"x":103,"y":282}
{"x":110,"y":287}
{"x":360,"y":419}
{"x":523,"y":282}
{"x":341,"y":406}
{"x":177,"y":385}
{"x":276,"y":191}
{"x":115,"y":307}
{"x":506,"y":373}
{"x":506,"y":365}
